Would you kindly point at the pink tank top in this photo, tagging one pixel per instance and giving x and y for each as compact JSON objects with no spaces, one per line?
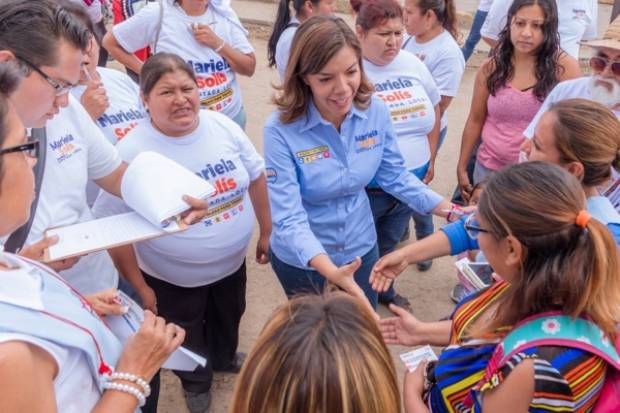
{"x":509,"y":113}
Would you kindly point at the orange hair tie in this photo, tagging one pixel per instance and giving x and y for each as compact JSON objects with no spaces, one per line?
{"x":583,"y":217}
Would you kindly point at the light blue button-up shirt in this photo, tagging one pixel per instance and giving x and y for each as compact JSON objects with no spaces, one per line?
{"x":317,"y":175}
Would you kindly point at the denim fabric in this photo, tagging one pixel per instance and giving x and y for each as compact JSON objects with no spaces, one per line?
{"x":474,"y":34}
{"x":299,"y":280}
{"x":481,"y":173}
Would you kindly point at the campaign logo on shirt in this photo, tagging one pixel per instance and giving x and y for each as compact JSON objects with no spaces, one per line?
{"x":366,"y":141}
{"x":399,"y":96}
{"x":128,"y":118}
{"x":214,"y":82}
{"x":122,"y":116}
{"x":64,"y":148}
{"x":214,"y":172}
{"x":227,"y":203}
{"x":224,"y":212}
{"x":312,"y":155}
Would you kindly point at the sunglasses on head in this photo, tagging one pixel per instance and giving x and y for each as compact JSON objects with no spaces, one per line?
{"x":599,"y":64}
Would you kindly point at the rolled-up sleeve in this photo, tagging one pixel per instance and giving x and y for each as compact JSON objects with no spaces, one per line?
{"x":394,"y":178}
{"x":290,"y":219}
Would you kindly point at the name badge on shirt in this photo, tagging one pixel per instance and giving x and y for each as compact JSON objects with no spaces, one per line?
{"x":312,"y":155}
{"x":366,"y":141}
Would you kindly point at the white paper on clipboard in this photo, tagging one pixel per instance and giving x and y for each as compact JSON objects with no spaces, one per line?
{"x":126,"y":325}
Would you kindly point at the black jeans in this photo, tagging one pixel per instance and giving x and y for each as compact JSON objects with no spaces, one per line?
{"x":210,"y":316}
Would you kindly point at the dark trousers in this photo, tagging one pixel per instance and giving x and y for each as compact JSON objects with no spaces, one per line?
{"x":210,"y":316}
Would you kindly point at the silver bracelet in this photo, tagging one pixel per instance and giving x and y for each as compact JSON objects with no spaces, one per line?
{"x":126,"y":388}
{"x":146,"y":388}
{"x":220,"y":47}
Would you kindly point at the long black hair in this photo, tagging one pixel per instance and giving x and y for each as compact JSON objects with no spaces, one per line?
{"x":547,"y":57}
{"x":283,"y":18}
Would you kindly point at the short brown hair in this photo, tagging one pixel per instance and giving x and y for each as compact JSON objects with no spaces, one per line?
{"x":587,"y":132}
{"x":318,"y":354}
{"x":316,"y":41}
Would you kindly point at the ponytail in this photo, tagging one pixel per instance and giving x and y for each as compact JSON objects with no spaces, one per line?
{"x":445,"y":11}
{"x":283,"y":16}
{"x":570,"y":260}
{"x":601,"y":266}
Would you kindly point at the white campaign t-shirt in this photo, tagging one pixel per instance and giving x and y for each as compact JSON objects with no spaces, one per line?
{"x":444,"y":59}
{"x":569,"y":89}
{"x":407,"y":88}
{"x":577,"y":21}
{"x":23,"y":285}
{"x":219,"y":89}
{"x":221,"y":153}
{"x":123,"y":114}
{"x":283,"y":47}
{"x":126,"y":108}
{"x":77,"y":152}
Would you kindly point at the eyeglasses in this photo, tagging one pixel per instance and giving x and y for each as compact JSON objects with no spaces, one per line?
{"x":30,"y":149}
{"x":59,"y":88}
{"x":599,"y":64}
{"x":473,"y":228}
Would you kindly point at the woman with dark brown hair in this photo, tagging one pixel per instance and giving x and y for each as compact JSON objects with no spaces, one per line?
{"x":318,"y":354}
{"x":324,"y":144}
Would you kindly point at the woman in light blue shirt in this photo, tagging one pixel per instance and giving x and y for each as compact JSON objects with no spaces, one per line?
{"x":324,"y":144}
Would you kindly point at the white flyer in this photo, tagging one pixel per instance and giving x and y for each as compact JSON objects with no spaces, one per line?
{"x":128,"y":324}
{"x":413,"y":358}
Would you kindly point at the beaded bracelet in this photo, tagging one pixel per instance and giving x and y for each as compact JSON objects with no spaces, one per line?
{"x":146,"y":388}
{"x":126,"y":388}
{"x":454,"y":210}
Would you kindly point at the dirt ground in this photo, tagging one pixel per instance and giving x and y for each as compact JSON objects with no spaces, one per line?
{"x":428,"y":291}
